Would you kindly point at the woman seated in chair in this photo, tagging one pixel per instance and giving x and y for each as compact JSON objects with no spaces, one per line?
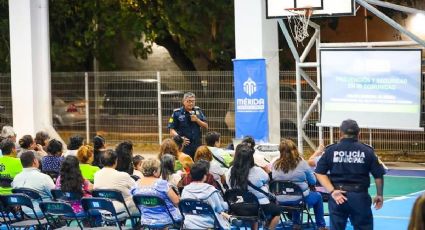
{"x":291,"y":167}
{"x":245,"y":175}
{"x":152,"y":185}
{"x":71,"y":180}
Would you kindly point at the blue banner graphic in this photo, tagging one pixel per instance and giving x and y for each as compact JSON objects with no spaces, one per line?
{"x":251,"y":110}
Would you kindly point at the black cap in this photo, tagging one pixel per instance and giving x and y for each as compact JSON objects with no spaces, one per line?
{"x":349,"y":127}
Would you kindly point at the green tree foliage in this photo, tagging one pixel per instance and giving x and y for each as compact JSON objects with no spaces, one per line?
{"x":81,"y":30}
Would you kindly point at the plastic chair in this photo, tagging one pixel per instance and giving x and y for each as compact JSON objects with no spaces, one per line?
{"x":117,"y":196}
{"x":149,"y":201}
{"x":33,"y":194}
{"x":57,"y":212}
{"x":109,"y":214}
{"x":5,"y":182}
{"x":59,"y":195}
{"x":19,"y":200}
{"x":289,"y":188}
{"x":244,"y":206}
{"x":197,"y":207}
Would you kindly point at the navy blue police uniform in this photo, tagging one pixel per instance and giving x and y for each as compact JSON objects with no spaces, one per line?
{"x":180,"y":121}
{"x":348,"y":164}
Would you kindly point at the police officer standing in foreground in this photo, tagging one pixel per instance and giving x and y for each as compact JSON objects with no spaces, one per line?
{"x":186,"y":122}
{"x":344,"y":171}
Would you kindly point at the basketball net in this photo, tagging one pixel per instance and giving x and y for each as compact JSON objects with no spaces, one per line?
{"x":299,"y":20}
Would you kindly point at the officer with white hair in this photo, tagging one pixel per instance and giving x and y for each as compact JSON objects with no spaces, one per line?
{"x":187,"y":122}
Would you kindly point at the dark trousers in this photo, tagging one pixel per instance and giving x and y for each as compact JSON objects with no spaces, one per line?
{"x":357,"y":207}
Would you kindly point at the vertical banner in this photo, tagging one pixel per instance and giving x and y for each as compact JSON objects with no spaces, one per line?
{"x":251,"y":110}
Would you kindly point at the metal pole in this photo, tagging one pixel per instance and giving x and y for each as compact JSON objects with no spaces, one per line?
{"x":331,"y":135}
{"x":391,"y":22}
{"x":86,"y":89}
{"x":318,"y":80}
{"x":289,"y":40}
{"x":369,"y":44}
{"x":299,"y":118}
{"x":365,"y":25}
{"x":396,"y":7}
{"x":158,"y":86}
{"x":370,"y":137}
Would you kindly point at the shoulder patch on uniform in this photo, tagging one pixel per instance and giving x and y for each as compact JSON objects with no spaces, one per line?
{"x":170,"y":120}
{"x":368,"y":145}
{"x":327,"y":146}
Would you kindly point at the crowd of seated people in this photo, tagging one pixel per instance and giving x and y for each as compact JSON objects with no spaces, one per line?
{"x":207,"y":177}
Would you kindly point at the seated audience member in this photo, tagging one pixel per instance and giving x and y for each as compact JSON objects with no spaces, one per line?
{"x":42,"y":138}
{"x":315,"y":157}
{"x":10,"y":166}
{"x":417,"y":218}
{"x":28,"y":143}
{"x":75,"y":142}
{"x":7,"y":132}
{"x":85,"y":157}
{"x":52,"y":162}
{"x":245,"y":175}
{"x":212,"y":140}
{"x":291,"y":167}
{"x":32,"y":178}
{"x":218,"y":172}
{"x":200,"y":190}
{"x":99,"y":147}
{"x":258,"y":158}
{"x":184,"y":161}
{"x":124,"y":152}
{"x":71,"y":180}
{"x":137,"y":164}
{"x":187,"y":178}
{"x":109,"y":178}
{"x":167,"y":170}
{"x":153,"y":185}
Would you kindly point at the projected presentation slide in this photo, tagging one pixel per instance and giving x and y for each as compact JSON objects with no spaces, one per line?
{"x":380,"y":88}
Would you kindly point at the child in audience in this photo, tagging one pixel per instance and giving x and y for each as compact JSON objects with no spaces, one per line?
{"x":167,"y":170}
{"x":200,"y":190}
{"x":137,"y":163}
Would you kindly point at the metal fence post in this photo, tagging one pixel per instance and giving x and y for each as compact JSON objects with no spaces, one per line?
{"x":86,"y":90}
{"x":158,"y":85}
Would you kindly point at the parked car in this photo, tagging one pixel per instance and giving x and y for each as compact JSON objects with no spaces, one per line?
{"x":139,"y":97}
{"x":288,"y":111}
{"x":68,"y":110}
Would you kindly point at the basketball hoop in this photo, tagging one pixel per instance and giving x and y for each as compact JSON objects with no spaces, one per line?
{"x":299,"y":19}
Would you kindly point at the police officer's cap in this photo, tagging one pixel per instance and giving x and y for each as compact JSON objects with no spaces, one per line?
{"x":350,"y":127}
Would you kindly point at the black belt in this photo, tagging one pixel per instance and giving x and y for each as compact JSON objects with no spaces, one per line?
{"x":351,"y":187}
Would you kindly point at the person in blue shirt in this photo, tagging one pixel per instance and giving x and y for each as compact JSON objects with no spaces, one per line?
{"x":344,"y":171}
{"x":187,"y":122}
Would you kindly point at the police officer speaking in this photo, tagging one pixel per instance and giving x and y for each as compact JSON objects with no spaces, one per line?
{"x":344,"y":171}
{"x":187,"y":121}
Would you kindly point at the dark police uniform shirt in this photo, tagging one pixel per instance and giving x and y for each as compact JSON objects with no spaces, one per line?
{"x":180,"y":121}
{"x":350,"y":162}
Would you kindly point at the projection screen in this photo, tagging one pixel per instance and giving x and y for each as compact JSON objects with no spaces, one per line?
{"x":380,"y":88}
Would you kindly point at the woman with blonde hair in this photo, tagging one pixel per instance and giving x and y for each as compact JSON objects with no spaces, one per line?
{"x":291,"y":167}
{"x":183,"y":161}
{"x":417,"y":219}
{"x":85,"y":155}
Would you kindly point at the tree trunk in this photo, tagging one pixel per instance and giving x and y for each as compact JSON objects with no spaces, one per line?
{"x":176,"y":53}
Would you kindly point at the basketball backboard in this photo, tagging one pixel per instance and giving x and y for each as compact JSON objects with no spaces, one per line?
{"x":322,"y":8}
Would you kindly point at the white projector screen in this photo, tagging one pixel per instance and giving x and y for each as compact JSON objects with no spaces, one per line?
{"x":379,"y":88}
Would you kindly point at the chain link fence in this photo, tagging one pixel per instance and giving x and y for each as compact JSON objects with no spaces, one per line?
{"x":124,"y":106}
